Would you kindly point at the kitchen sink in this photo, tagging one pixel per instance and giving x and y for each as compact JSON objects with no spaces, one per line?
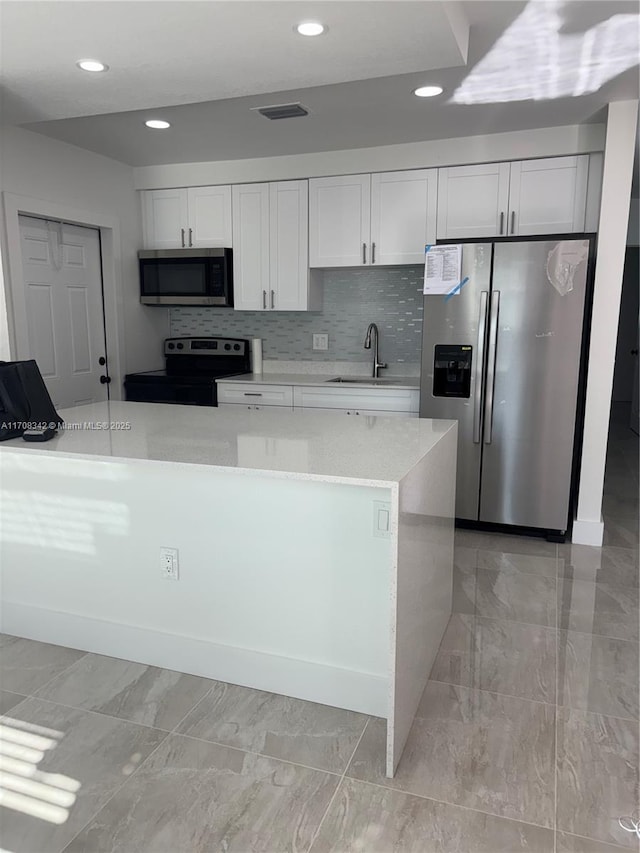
{"x":361,"y":380}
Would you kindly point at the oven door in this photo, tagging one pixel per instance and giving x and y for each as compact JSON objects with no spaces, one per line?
{"x":180,"y":392}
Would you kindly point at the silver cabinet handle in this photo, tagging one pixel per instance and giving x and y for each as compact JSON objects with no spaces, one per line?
{"x":190,"y":237}
{"x":252,"y":394}
{"x":477,"y":392}
{"x":364,"y":253}
{"x":273,"y":303}
{"x":494,"y":310}
{"x":513,"y":222}
{"x":264,"y":300}
{"x":501,"y":221}
{"x":182,"y":236}
{"x":373,"y":253}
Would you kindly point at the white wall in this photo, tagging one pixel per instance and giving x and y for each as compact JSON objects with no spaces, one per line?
{"x":614,"y":215}
{"x":516,"y":145}
{"x":52,"y":171}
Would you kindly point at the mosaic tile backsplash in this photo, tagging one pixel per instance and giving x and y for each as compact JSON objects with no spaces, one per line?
{"x":353,"y":298}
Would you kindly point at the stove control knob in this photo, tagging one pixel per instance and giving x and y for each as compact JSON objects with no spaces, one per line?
{"x":170,"y":346}
{"x":227,"y":346}
{"x":180,"y":346}
{"x":236,"y":346}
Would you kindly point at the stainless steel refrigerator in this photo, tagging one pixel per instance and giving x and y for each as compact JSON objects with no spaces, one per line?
{"x":502,"y":356}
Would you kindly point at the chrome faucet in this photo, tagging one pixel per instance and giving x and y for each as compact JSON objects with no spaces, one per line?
{"x":367,"y":345}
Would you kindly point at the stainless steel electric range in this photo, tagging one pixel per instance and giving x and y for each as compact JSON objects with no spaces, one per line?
{"x":192,"y":366}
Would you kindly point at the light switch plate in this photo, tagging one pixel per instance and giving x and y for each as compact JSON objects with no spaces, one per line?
{"x":382,"y":519}
{"x":320,"y":342}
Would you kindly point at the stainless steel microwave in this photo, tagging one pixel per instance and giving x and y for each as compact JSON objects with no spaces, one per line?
{"x":186,"y":277}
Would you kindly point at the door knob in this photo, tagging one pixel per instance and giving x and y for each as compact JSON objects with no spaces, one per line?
{"x":634,"y":352}
{"x":105,"y":380}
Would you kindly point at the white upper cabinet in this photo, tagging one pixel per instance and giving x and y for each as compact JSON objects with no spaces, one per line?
{"x":473,"y":201}
{"x":403,"y":215}
{"x":165,"y":218}
{"x":339,"y":221}
{"x":209,"y":217}
{"x":270,"y":248}
{"x":362,"y":220}
{"x":548,"y":196}
{"x":187,"y":218}
{"x":250,"y":246}
{"x":289,"y":245}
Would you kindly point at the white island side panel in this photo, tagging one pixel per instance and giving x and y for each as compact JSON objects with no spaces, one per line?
{"x":421,"y":585}
{"x":283,"y":584}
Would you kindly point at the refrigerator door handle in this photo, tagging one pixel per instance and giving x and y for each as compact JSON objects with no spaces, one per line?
{"x":477,"y":393}
{"x":491,"y":365}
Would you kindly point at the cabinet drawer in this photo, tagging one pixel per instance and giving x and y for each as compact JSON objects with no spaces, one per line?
{"x":253,"y":394}
{"x":362,"y":399}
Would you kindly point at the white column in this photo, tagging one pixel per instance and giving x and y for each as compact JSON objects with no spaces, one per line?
{"x":612,"y":235}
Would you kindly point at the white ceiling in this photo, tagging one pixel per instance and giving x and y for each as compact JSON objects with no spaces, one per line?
{"x":203,"y":65}
{"x":181,"y":51}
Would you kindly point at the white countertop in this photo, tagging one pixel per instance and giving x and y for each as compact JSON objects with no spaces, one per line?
{"x":371,"y":451}
{"x":399,"y":383}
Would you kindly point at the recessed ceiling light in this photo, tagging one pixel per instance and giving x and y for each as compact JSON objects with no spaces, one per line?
{"x":91,"y":65}
{"x":310,"y":28}
{"x":157,"y":123}
{"x":428,"y":91}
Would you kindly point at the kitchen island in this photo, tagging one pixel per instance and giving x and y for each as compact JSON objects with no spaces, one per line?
{"x":315,"y":554}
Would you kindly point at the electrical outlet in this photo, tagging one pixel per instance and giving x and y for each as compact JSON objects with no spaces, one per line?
{"x":321,"y":342}
{"x":169,"y":563}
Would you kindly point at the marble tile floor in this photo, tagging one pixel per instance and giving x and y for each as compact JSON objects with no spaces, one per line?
{"x":526,"y":739}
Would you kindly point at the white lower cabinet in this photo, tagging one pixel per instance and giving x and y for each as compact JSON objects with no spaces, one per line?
{"x":253,"y":407}
{"x":386,"y":402}
{"x":363,"y":412}
{"x":369,"y":401}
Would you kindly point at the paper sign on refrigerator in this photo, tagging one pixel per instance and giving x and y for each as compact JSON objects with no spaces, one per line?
{"x":442,"y":267}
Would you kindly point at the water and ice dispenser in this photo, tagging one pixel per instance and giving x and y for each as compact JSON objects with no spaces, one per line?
{"x":452,"y":370}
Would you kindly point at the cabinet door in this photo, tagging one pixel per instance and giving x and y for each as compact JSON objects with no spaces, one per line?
{"x":339,"y":221}
{"x":250,"y":247}
{"x":165,"y":219}
{"x":210,"y":217}
{"x":473,"y":201}
{"x":548,"y":196}
{"x":403,"y":215}
{"x":289,"y":245}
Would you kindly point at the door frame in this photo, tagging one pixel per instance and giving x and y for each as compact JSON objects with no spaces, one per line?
{"x":111,"y":261}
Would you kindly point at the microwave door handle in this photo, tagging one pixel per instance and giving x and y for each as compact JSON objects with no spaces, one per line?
{"x":480,"y":349}
{"x":494,"y":311}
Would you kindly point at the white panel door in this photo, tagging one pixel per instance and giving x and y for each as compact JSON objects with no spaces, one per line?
{"x":209,"y":217}
{"x":165,"y":219}
{"x":473,"y":201}
{"x":339,"y":221}
{"x":289,"y":245}
{"x":548,"y":196}
{"x":65,"y":319}
{"x":403,"y":215}
{"x":251,"y":247}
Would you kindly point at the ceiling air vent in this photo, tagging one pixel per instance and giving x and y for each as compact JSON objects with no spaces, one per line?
{"x":282,"y":111}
